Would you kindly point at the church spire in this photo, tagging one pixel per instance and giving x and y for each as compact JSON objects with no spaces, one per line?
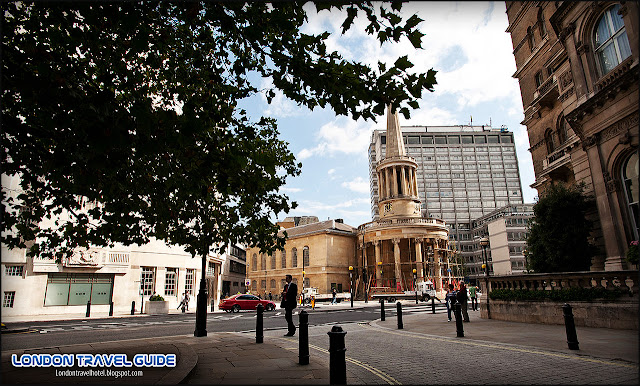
{"x":395,"y":144}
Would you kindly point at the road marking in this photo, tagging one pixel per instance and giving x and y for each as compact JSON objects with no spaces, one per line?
{"x":379,"y":373}
{"x":487,"y":345}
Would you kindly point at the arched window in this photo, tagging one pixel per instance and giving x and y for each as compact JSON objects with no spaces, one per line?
{"x":530,"y":39}
{"x":543,"y":27}
{"x":630,"y":182}
{"x":273,"y":260}
{"x":284,"y":259}
{"x":254,"y":285}
{"x":294,"y":258}
{"x":610,"y":40}
{"x":263,"y":261}
{"x":305,"y":256}
{"x":272,"y":284}
{"x":563,"y":132}
{"x":254,"y":262}
{"x":548,"y":139}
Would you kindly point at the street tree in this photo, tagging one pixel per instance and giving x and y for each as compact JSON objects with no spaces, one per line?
{"x":558,"y":239}
{"x":134,"y":106}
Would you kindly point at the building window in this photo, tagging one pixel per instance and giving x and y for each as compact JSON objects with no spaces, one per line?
{"x":188,"y":284}
{"x":211,"y":269}
{"x":294,"y":258}
{"x":272,"y":284}
{"x":9,"y":297}
{"x":263,"y":284}
{"x":562,"y":130}
{"x":538,"y":79}
{"x":273,"y":260}
{"x":254,"y":285}
{"x":305,"y":256}
{"x":13,"y":270}
{"x":630,"y":181}
{"x":170,"y":281}
{"x":263,"y":261}
{"x":254,"y":262}
{"x":147,"y":281}
{"x":284,"y":259}
{"x":610,"y":40}
{"x":548,"y":139}
{"x":76,"y":289}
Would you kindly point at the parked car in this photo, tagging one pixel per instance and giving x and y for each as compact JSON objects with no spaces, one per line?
{"x":239,"y":302}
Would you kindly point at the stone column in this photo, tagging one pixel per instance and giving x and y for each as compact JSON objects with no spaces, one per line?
{"x":415,"y":182}
{"x":419,"y":265}
{"x":403,"y":181}
{"x":394,"y":183}
{"x":376,"y":245}
{"x":396,"y":259}
{"x":437,"y":267}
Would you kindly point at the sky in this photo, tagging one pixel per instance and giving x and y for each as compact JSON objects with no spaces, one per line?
{"x":465,"y":42}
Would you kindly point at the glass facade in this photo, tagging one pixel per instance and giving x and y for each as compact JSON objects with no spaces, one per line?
{"x":76,"y":289}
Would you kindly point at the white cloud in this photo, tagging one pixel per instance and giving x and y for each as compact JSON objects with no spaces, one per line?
{"x":359,"y":185}
{"x":331,"y":171}
{"x":290,"y":190}
{"x":342,"y":135}
{"x":281,"y":106}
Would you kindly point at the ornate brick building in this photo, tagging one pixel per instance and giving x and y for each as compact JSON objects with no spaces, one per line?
{"x":577,"y":64}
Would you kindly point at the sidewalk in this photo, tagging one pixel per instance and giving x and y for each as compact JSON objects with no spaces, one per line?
{"x":235,"y":358}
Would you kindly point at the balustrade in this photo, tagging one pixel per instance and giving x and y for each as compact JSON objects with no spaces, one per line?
{"x":624,"y":280}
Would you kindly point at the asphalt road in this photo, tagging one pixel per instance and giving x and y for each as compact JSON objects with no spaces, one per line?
{"x":48,"y":334}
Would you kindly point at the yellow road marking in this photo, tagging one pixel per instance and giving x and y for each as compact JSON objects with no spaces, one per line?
{"x":478,"y":344}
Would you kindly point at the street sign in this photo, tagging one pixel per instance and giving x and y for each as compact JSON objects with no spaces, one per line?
{"x":247,"y":282}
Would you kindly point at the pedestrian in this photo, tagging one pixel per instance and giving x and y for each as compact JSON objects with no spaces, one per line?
{"x":183,"y":301}
{"x":462,"y":299}
{"x":473,"y":291}
{"x":289,"y":295}
{"x":270,"y":296}
{"x":450,"y":300}
{"x":333,"y":293}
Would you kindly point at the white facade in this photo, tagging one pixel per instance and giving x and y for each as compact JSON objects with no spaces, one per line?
{"x":122,"y":275}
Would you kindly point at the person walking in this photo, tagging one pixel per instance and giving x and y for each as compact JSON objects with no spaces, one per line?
{"x":462,"y":298}
{"x":333,"y":293}
{"x":450,"y":300}
{"x":473,"y":292}
{"x":289,"y":295}
{"x":270,"y":296}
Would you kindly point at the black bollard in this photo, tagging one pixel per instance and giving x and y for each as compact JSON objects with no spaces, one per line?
{"x":337,"y":357}
{"x":570,"y":326}
{"x":184,"y":308}
{"x":110,"y":308}
{"x":303,"y":342}
{"x":457,"y":311}
{"x":259,"y":334}
{"x":382,"y":310}
{"x":213,"y":302}
{"x":88,"y":309}
{"x":133,"y":307}
{"x":433,"y":305}
{"x":399,"y":308}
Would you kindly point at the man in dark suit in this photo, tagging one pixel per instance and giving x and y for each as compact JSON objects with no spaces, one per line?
{"x":289,"y":295}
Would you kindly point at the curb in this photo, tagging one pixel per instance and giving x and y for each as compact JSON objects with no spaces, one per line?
{"x":188,"y":362}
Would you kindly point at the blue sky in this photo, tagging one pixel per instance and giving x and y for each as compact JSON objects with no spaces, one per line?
{"x":465,"y":42}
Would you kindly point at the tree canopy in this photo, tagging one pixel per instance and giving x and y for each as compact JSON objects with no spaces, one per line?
{"x":558,"y":235}
{"x":134,"y":105}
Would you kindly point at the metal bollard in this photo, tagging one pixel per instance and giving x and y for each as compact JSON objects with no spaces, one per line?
{"x":457,"y":311}
{"x":337,"y":358}
{"x":184,"y":308}
{"x":259,"y":324}
{"x":570,"y":326}
{"x":133,"y":307}
{"x":213,"y":302}
{"x":88,"y":309}
{"x":433,"y":305}
{"x":399,"y":308}
{"x":303,"y":342}
{"x":110,"y":308}
{"x":382,"y":310}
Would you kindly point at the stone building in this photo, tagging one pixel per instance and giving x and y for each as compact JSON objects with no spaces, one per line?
{"x":317,"y":254}
{"x":577,"y":64}
{"x":389,"y":248}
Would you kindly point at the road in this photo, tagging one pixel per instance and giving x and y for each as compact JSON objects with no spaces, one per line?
{"x":48,"y":334}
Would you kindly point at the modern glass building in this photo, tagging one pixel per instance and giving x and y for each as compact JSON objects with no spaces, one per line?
{"x":464,"y":172}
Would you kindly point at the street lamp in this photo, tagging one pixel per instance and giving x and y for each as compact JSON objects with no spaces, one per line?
{"x":201,"y":306}
{"x":526,"y":265}
{"x":381,"y":274}
{"x":415,"y":277}
{"x":351,"y":284}
{"x":302,"y":294}
{"x":484,"y":242}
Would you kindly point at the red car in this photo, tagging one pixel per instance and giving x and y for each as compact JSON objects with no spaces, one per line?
{"x":236,"y":303}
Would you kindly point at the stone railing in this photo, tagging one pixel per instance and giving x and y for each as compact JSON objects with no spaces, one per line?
{"x":624,"y":280}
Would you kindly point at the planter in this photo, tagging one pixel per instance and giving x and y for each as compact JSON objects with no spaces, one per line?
{"x":156,"y":307}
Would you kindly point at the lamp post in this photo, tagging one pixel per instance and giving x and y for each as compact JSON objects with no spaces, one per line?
{"x":302,"y":293}
{"x":201,"y":306}
{"x":351,"y":284}
{"x":415,"y":277}
{"x":484,"y":242}
{"x":526,"y":265}
{"x":381,"y":274}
